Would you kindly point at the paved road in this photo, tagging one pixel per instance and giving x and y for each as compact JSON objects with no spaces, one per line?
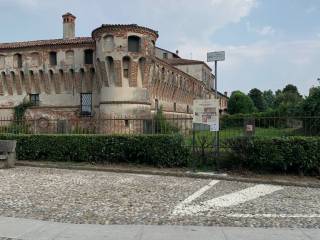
{"x":85,"y":197}
{"x":22,"y":229}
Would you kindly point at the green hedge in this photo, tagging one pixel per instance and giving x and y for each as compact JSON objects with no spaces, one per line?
{"x":290,"y":154}
{"x":157,"y":150}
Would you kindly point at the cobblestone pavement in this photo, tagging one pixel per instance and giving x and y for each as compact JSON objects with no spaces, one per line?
{"x":109,"y":198}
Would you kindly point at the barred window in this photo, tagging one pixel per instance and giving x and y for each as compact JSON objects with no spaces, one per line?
{"x":34,"y":99}
{"x":86,"y":104}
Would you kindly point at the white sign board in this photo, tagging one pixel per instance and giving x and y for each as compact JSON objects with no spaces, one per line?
{"x":216,"y":56}
{"x":206,"y":112}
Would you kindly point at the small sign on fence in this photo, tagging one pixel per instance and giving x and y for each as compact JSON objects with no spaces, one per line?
{"x":249,"y":127}
{"x":206,"y":111}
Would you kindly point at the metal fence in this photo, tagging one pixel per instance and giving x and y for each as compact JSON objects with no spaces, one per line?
{"x":229,"y":126}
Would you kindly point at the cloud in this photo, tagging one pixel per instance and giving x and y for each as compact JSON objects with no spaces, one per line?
{"x":263,"y":64}
{"x":24,"y":3}
{"x":263,"y":31}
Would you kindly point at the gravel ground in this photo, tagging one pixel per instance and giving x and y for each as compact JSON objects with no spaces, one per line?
{"x":110,"y":198}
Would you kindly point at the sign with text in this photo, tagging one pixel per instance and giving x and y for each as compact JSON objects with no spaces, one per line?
{"x":216,"y":56}
{"x":206,"y":112}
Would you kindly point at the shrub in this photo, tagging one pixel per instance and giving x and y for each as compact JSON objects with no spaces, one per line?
{"x":240,"y":103}
{"x":157,"y":150}
{"x":290,"y":154}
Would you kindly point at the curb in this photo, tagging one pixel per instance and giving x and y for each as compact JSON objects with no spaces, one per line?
{"x":173,"y":174}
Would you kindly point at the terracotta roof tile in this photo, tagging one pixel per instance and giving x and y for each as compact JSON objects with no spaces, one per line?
{"x":44,"y":43}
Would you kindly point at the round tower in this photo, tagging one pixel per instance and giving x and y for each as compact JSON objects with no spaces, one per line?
{"x":123,"y":60}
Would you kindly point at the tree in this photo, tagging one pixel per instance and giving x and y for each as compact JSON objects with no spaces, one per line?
{"x":288,"y":99}
{"x":311,"y":107}
{"x":258,"y":100}
{"x":240,"y":103}
{"x":269,"y":99}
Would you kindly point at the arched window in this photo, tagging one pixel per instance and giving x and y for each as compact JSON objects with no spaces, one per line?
{"x":53,"y":58}
{"x":35,"y":59}
{"x":156,"y":104}
{"x":22,"y":78}
{"x":110,"y":69}
{"x":142,"y":67}
{"x":4,"y":81}
{"x":108,"y":43}
{"x":69,"y":57}
{"x":61,"y":74}
{"x":88,"y":56}
{"x":2,"y":61}
{"x":134,"y":44}
{"x":126,"y":66}
{"x":51,"y":75}
{"x":17,"y":60}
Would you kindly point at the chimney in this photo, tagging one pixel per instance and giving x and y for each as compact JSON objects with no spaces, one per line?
{"x":177,"y":52}
{"x":69,"y":23}
{"x":226,"y":94}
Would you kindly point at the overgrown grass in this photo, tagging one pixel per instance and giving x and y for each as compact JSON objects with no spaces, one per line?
{"x":238,"y":132}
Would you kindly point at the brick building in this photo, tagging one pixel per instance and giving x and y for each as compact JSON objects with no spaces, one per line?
{"x":118,"y":71}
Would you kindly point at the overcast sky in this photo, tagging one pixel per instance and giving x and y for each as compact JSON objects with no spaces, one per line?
{"x":268,"y":43}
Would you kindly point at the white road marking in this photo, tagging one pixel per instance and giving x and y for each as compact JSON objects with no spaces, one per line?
{"x":194,"y":196}
{"x":239,"y":215}
{"x":228,"y":200}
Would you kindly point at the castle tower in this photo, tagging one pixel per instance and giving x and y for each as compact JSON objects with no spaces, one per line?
{"x":68,"y":26}
{"x":124,"y":54}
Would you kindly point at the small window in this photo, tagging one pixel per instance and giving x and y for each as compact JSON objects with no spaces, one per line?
{"x":2,"y":61}
{"x":126,"y":123}
{"x":88,"y":56}
{"x":156,"y":104}
{"x":86,"y":104}
{"x":53,"y":58}
{"x":126,"y":67}
{"x":174,"y":107}
{"x":34,"y":99}
{"x":133,"y":44}
{"x":188,"y":110}
{"x":165,"y":55}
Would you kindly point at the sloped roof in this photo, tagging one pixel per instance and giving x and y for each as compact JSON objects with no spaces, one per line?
{"x":45,"y":43}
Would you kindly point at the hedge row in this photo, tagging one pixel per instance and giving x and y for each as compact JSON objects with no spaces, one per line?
{"x":157,"y":150}
{"x":291,"y":154}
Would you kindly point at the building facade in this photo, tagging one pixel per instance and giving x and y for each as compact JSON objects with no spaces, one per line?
{"x":118,"y":71}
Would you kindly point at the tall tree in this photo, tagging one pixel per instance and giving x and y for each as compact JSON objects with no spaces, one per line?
{"x":240,"y":103}
{"x":288,"y":99}
{"x":269,"y":98}
{"x":258,"y":100}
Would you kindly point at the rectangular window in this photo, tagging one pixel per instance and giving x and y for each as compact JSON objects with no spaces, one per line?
{"x":86,"y":104}
{"x":88,"y":56}
{"x":165,"y":55}
{"x":34,"y":99}
{"x":53,"y":58}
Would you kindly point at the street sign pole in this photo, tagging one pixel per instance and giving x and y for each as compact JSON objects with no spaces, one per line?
{"x":216,"y":77}
{"x":215,"y":57}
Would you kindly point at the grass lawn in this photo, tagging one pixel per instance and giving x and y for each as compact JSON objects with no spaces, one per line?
{"x":238,"y":132}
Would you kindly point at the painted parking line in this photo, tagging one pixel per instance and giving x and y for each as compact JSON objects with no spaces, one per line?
{"x":228,"y":200}
{"x":239,"y":215}
{"x":180,"y":207}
